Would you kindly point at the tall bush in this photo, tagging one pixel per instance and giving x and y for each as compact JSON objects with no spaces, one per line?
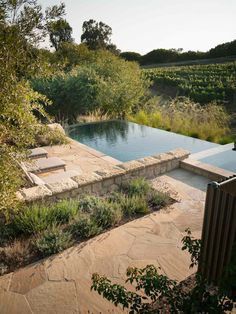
{"x":108,"y":83}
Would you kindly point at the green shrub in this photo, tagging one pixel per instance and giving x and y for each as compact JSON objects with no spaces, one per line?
{"x":64,"y":210}
{"x":130,"y":206}
{"x":107,"y":82}
{"x":45,"y":136}
{"x":85,"y":227}
{"x":159,"y":199}
{"x":181,"y":115}
{"x":87,"y":203}
{"x":8,"y":232}
{"x":15,"y":255}
{"x":107,"y":214}
{"x":34,"y":219}
{"x":138,"y":186}
{"x":53,"y":240}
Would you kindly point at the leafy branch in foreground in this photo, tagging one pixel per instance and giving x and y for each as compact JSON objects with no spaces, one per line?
{"x":156,"y":293}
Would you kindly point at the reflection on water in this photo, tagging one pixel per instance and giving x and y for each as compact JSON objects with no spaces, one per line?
{"x":126,"y":141}
{"x":110,"y":131}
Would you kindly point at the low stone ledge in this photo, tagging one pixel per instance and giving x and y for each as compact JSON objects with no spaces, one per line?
{"x":35,"y":193}
{"x":62,"y":186}
{"x":163,"y":157}
{"x":149,"y":161}
{"x":82,"y":180}
{"x":132,"y":165}
{"x":111,"y":173}
{"x":179,"y":153}
{"x":206,"y":170}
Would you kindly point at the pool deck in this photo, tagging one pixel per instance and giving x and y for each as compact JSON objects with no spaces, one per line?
{"x":80,"y":158}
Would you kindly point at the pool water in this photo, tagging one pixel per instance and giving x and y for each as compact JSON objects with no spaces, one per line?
{"x":225,"y":160}
{"x":126,"y":141}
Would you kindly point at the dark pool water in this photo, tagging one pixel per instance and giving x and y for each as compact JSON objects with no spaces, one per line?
{"x":127,"y":141}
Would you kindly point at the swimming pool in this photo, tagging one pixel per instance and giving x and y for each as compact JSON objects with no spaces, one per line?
{"x":126,"y":141}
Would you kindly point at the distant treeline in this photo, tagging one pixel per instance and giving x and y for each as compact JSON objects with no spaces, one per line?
{"x":176,"y":55}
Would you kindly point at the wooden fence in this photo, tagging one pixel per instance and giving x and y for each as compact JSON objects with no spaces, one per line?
{"x":219,"y":229}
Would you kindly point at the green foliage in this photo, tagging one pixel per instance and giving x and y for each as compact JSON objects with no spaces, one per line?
{"x":45,"y":136}
{"x":136,"y":187}
{"x":202,"y":83}
{"x":87,"y":203}
{"x":131,"y":206}
{"x":157,"y":293}
{"x":183,"y":116}
{"x":107,"y":83}
{"x":158,"y":199}
{"x":36,"y":218}
{"x":33,"y":219}
{"x":64,"y":210}
{"x":96,"y":35}
{"x":106,"y":214}
{"x":59,"y":32}
{"x":130,"y":56}
{"x":53,"y":240}
{"x":85,"y":227}
{"x":193,"y":246}
{"x":22,"y":25}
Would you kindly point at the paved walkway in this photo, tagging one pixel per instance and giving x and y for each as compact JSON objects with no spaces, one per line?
{"x":61,"y":284}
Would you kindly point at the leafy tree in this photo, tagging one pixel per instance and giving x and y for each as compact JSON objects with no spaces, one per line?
{"x":97,"y":35}
{"x":106,"y":82}
{"x":22,"y":25}
{"x":59,"y":32}
{"x":223,"y":50}
{"x":71,"y":54}
{"x":157,"y":293}
{"x":131,"y":56}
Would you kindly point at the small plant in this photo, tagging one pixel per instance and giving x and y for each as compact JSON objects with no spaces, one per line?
{"x":158,"y":199}
{"x":131,"y":206}
{"x":87,"y":203}
{"x":193,"y":246}
{"x":34,"y":219}
{"x":107,"y":214}
{"x":53,"y":240}
{"x":63,"y":211}
{"x":15,"y":255}
{"x":138,"y":186}
{"x":85,"y":227}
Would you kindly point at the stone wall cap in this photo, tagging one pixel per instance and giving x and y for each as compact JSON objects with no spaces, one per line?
{"x":62,"y":186}
{"x":149,"y":161}
{"x":164,"y":157}
{"x":132,"y":165}
{"x":110,"y":173}
{"x":179,"y":153}
{"x":85,"y":179}
{"x":35,"y":193}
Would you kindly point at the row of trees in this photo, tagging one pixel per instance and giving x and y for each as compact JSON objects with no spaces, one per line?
{"x":97,"y":35}
{"x":177,"y":55}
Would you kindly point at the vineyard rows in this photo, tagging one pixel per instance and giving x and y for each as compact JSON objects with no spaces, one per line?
{"x":202,"y":83}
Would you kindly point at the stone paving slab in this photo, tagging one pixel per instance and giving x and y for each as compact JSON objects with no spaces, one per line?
{"x":61,"y":283}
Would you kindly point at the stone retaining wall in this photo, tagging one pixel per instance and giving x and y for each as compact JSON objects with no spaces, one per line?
{"x":103,"y":182}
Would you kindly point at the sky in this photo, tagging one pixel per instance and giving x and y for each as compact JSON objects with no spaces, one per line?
{"x":144,"y":25}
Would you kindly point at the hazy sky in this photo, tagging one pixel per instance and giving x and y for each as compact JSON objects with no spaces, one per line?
{"x":144,"y":25}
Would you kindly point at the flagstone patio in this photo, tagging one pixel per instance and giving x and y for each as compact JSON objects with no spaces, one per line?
{"x":61,"y":283}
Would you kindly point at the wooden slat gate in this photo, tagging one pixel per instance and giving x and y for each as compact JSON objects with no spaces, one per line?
{"x":219,"y":229}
